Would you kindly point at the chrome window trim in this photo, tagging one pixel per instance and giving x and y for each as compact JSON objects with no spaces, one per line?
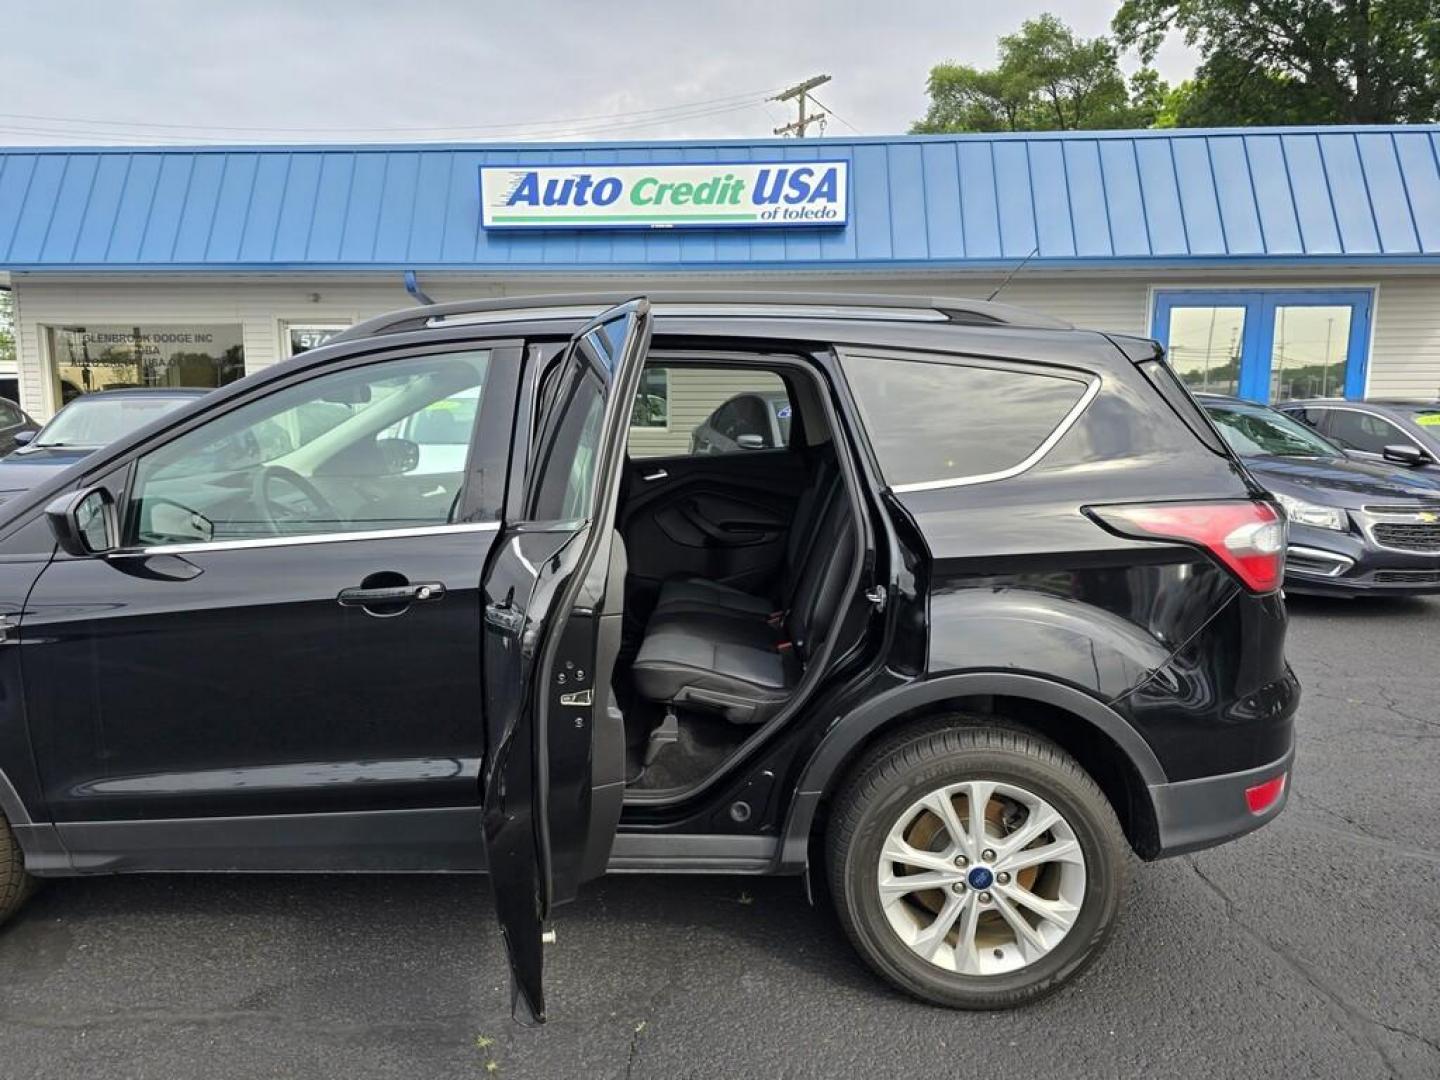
{"x":1066,"y":423}
{"x":313,"y":538}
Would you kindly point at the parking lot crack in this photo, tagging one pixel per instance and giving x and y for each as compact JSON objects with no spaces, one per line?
{"x":1359,"y":1026}
{"x":1354,"y":830}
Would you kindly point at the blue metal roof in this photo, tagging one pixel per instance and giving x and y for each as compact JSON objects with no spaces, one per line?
{"x":1369,"y":194}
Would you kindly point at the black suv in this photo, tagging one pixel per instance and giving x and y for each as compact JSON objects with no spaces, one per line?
{"x":1002,"y":609}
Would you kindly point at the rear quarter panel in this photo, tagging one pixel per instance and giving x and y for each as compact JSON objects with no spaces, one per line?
{"x":1023,"y":581}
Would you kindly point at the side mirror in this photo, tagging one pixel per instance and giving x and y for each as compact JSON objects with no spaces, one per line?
{"x":84,"y":522}
{"x":24,"y":436}
{"x":750,"y":441}
{"x":1405,"y":454}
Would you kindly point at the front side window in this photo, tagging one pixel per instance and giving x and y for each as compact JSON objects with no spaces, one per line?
{"x":933,"y":422}
{"x":570,"y":453}
{"x":354,"y":450}
{"x":1361,"y":431}
{"x":94,"y":357}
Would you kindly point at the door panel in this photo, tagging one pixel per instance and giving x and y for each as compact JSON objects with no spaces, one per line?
{"x":222,"y":662}
{"x":724,"y":517}
{"x":551,"y":786}
{"x":235,"y":682}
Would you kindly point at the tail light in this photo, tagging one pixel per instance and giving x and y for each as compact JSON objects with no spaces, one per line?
{"x":1247,"y":537}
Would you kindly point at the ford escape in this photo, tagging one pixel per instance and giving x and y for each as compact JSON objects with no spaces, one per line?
{"x":992,"y":610}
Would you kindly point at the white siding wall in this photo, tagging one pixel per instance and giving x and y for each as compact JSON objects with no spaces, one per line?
{"x":1405,"y":349}
{"x":1405,"y":359}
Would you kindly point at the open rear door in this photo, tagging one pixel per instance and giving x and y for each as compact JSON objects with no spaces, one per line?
{"x":553,"y":776}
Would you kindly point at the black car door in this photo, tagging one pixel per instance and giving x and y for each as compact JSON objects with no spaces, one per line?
{"x":554,"y":761}
{"x":289,"y":633}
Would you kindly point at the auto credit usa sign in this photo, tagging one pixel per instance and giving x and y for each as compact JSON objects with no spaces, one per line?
{"x":755,"y":194}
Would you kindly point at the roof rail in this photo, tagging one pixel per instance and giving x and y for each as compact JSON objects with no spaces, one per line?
{"x":740,"y":304}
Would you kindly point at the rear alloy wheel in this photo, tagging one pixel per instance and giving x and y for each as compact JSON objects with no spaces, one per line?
{"x":975,"y":867}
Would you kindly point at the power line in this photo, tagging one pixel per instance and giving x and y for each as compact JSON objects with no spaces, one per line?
{"x":578,"y":130}
{"x":836,"y":115}
{"x":136,"y":125}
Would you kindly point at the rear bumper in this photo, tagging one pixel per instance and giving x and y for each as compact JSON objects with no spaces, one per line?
{"x":1195,"y":814}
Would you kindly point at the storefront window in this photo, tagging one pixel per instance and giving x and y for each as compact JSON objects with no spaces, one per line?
{"x":302,"y":338}
{"x":1267,"y":344}
{"x":93,"y":357}
{"x":1205,"y":347}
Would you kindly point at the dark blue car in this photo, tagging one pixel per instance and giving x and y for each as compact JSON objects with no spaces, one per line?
{"x":1356,"y":526}
{"x":88,"y":423}
{"x":1399,"y":432}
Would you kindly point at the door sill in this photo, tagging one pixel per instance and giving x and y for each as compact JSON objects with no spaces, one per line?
{"x":692,"y":853}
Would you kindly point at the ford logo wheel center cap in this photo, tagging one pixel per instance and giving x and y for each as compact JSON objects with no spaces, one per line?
{"x":980,"y":877}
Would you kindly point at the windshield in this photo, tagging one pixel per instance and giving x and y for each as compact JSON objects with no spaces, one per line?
{"x":96,"y":420}
{"x":1253,"y":431}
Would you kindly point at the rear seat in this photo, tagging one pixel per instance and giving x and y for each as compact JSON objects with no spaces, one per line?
{"x":739,"y":662}
{"x":704,"y":595}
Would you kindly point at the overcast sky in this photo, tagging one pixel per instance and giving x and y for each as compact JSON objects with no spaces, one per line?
{"x":381,"y":70}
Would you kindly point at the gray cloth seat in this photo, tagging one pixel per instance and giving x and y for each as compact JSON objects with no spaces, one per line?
{"x":742,"y":664}
{"x":691,"y":594}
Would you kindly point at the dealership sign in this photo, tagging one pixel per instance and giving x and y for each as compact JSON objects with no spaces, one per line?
{"x":754,"y":194}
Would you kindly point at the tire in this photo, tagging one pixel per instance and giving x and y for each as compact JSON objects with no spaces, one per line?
{"x":15,"y":884}
{"x":998,"y":966}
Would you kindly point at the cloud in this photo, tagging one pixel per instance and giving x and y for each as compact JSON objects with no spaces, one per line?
{"x":363,"y":70}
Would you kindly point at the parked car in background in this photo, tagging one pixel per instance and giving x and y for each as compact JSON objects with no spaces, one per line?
{"x":1399,"y":432}
{"x":16,"y":427}
{"x":758,"y":421}
{"x":89,"y":422}
{"x":1355,"y":526}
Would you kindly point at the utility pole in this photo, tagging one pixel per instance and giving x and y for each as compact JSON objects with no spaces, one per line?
{"x":798,"y":92}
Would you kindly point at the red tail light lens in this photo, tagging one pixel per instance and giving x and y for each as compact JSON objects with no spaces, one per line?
{"x":1248,"y":537}
{"x":1262,"y":797}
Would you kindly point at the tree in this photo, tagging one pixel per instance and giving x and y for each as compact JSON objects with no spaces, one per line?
{"x":1296,"y":61}
{"x":1047,"y":78}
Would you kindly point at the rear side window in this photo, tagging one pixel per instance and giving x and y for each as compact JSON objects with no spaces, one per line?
{"x":933,"y":423}
{"x":1162,"y":376}
{"x":694,"y":409}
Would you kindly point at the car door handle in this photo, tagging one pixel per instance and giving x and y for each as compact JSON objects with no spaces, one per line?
{"x":658,"y":474}
{"x":359,"y":596}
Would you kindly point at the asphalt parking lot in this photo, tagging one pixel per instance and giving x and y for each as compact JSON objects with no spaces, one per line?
{"x":1311,"y":948}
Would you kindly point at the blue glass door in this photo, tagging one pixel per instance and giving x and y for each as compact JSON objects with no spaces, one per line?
{"x":1267,"y":344}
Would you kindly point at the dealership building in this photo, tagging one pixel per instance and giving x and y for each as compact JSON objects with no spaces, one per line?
{"x":1275,"y":263}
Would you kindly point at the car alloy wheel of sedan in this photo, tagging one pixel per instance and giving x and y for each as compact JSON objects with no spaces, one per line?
{"x":981,"y":877}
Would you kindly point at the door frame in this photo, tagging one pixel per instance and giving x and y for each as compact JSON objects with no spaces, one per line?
{"x":1260,"y":303}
